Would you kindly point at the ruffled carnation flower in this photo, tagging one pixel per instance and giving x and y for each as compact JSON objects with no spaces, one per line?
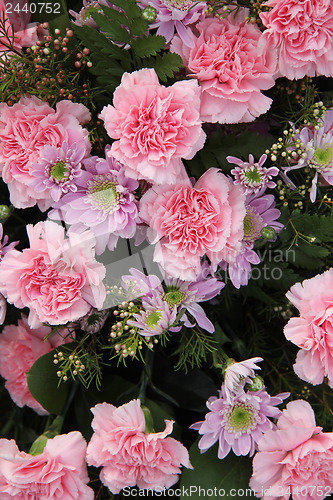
{"x":130,"y":456}
{"x":231,"y":71}
{"x":20,"y":346}
{"x":312,"y":331}
{"x":189,"y":222}
{"x":176,"y":15}
{"x":59,"y":471}
{"x":25,"y":128}
{"x":260,"y":213}
{"x":57,"y":278}
{"x":57,"y":171}
{"x":18,"y":25}
{"x":154,"y":126}
{"x":296,"y":458}
{"x":251,"y":176}
{"x":237,"y":375}
{"x":317,"y":153}
{"x":303,"y":33}
{"x":237,"y":423}
{"x":103,"y":202}
{"x":156,"y":316}
{"x":83,"y":18}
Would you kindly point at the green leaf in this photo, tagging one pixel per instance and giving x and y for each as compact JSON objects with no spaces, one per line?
{"x":110,"y":28}
{"x":165,"y":65}
{"x":43,"y":384}
{"x":230,"y":473}
{"x":148,"y":45}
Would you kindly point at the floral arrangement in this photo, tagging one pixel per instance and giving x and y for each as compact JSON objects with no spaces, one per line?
{"x":165,"y":226}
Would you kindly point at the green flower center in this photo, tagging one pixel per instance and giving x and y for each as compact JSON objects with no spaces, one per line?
{"x":253,"y":176}
{"x":59,"y":170}
{"x":242,"y":418}
{"x":174,"y":297}
{"x":103,"y":194}
{"x":322,"y":158}
{"x":253,"y":224}
{"x":153,"y":319}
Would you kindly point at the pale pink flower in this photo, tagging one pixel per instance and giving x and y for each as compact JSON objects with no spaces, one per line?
{"x":129,"y":455}
{"x":154,"y":126}
{"x":25,"y":128}
{"x":231,"y":71}
{"x":296,"y":458}
{"x":17,"y":24}
{"x":237,"y":375}
{"x":189,"y":222}
{"x":303,"y":33}
{"x":313,"y":330}
{"x":57,"y":278}
{"x":59,"y":471}
{"x":20,"y":346}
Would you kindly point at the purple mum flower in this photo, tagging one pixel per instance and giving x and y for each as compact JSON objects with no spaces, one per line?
{"x":139,"y":284}
{"x":58,"y":170}
{"x":253,"y":177}
{"x":4,"y":248}
{"x":83,"y":18}
{"x":176,"y":15}
{"x":316,"y":148}
{"x":239,"y":423}
{"x":237,"y":375}
{"x":260,"y":213}
{"x":104,"y":202}
{"x":156,"y":316}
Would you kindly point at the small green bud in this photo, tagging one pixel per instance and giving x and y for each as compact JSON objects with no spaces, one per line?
{"x":4,"y":212}
{"x":149,"y":14}
{"x":257,"y":384}
{"x":268,"y":232}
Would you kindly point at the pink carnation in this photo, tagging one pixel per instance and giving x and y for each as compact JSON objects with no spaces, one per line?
{"x":313,"y":330}
{"x":231,"y":71}
{"x":20,"y":346}
{"x":295,"y":459}
{"x":129,"y":455}
{"x":155,"y":126}
{"x":17,"y":25}
{"x":25,"y":128}
{"x":59,"y":472}
{"x":189,"y":222}
{"x":303,"y":33}
{"x":57,"y":278}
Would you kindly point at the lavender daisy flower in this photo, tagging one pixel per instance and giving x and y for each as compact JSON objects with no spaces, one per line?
{"x":83,"y":18}
{"x":58,"y":170}
{"x":138,"y":284}
{"x":176,"y":15}
{"x":237,"y":375}
{"x":4,"y":246}
{"x":156,"y":316}
{"x":187,"y":294}
{"x":104,"y":202}
{"x":253,"y":177}
{"x":316,"y":152}
{"x":239,"y":423}
{"x":260,"y":213}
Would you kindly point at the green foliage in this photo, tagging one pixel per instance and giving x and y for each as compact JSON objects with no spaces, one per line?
{"x":43,"y":383}
{"x":209,"y":472}
{"x":194,"y":346}
{"x":165,"y":64}
{"x":148,"y":45}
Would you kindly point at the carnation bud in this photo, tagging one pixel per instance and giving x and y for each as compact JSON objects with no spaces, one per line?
{"x":149,"y":14}
{"x":268,"y":232}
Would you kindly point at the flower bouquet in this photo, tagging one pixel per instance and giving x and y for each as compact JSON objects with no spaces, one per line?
{"x":166,"y":281}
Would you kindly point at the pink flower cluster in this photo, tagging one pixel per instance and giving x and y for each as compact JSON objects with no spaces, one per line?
{"x":189,"y":222}
{"x":302,"y":30}
{"x":312,"y":331}
{"x":154,"y":126}
{"x":57,"y":278}
{"x":60,"y":471}
{"x":295,"y":459}
{"x":25,"y":128}
{"x":232,"y":72}
{"x":129,"y":455}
